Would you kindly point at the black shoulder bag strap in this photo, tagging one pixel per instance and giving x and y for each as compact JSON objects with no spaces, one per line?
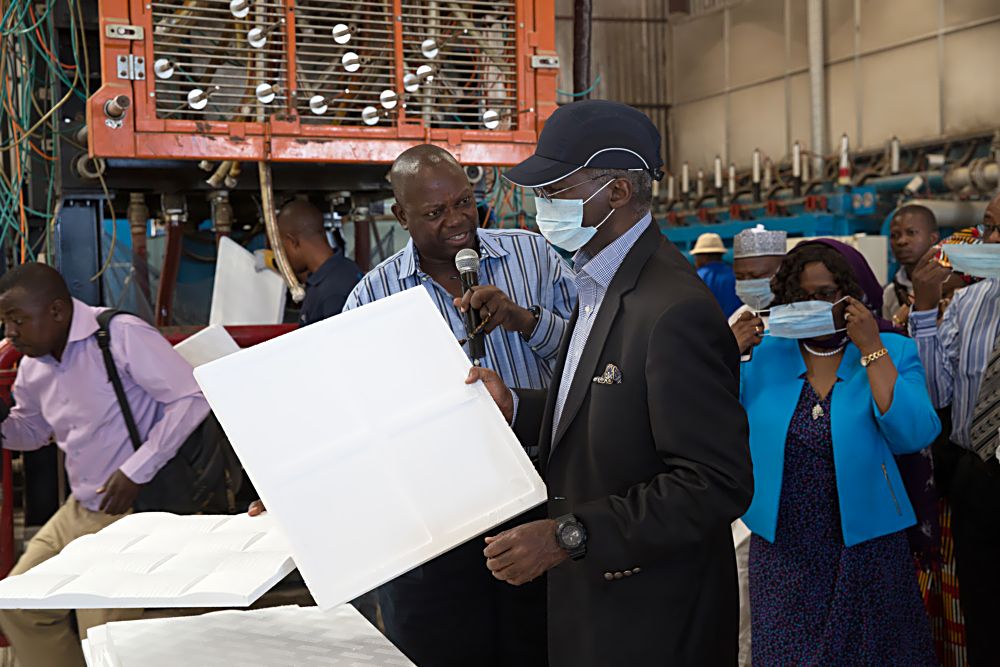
{"x":104,"y":342}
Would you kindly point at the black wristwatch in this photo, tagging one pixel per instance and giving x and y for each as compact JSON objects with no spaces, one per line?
{"x":571,"y":536}
{"x":536,"y":311}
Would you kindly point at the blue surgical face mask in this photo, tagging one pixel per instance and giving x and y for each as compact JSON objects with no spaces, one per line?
{"x":755,"y":293}
{"x":561,"y":221}
{"x":980,"y":259}
{"x":803,"y":320}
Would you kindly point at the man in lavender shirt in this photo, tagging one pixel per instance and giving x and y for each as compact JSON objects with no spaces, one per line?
{"x":62,"y":393}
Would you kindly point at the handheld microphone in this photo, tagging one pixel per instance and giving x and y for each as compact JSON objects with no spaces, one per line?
{"x":467,"y":263}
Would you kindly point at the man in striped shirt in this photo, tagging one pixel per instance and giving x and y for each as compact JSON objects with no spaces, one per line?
{"x":451,"y":611}
{"x":955,"y":354}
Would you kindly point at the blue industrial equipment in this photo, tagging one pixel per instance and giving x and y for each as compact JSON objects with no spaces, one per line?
{"x":832,"y":214}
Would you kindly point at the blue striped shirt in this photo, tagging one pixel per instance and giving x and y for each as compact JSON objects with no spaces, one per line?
{"x":592,"y":280}
{"x":955,"y":353}
{"x":525,"y":268}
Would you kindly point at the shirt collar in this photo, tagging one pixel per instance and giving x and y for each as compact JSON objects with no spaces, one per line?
{"x":84,"y":323}
{"x":82,"y":326}
{"x":605,"y":264}
{"x":902,"y":278}
{"x":324,"y":270}
{"x":409,"y":259}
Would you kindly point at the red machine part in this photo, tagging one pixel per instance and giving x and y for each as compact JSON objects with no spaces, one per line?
{"x":275,"y":80}
{"x":245,"y":336}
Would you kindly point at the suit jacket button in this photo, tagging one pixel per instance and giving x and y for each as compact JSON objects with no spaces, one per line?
{"x":618,"y":575}
{"x":635,"y":570}
{"x":608,"y":576}
{"x":627,"y":573}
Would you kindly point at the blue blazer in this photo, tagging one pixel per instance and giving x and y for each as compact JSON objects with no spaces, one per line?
{"x":870,"y":491}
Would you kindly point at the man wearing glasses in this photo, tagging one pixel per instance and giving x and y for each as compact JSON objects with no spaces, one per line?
{"x":961,"y":356}
{"x":451,"y":611}
{"x":642,"y":440}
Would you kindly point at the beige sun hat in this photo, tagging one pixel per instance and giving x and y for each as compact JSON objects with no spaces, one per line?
{"x":709,"y":244}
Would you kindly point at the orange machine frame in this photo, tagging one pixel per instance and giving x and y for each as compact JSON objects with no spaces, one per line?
{"x":142,"y":134}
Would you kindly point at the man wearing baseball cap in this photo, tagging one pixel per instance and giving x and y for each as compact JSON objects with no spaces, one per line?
{"x":642,"y":492}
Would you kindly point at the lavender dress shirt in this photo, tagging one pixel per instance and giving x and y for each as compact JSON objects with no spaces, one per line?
{"x":73,"y":401}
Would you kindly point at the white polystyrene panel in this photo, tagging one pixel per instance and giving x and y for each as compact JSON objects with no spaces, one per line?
{"x":275,"y":637}
{"x":155,"y":559}
{"x":211,"y":343}
{"x":242,"y":294}
{"x":367,"y":447}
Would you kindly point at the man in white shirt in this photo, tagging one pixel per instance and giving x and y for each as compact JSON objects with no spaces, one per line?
{"x":757,"y":254}
{"x":912,"y":232}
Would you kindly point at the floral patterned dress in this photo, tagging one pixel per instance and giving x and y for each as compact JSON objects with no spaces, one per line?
{"x":814,"y":601}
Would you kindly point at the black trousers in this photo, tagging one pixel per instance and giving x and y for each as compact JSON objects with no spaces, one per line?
{"x":451,"y":612}
{"x":974,"y":492}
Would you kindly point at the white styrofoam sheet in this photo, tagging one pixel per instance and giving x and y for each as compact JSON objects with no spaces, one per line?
{"x":242,"y":294}
{"x":368,"y":448}
{"x":211,"y":343}
{"x":156,"y":559}
{"x":274,"y":637}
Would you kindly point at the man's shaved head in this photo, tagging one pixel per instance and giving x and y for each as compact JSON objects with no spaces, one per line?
{"x":39,"y":281}
{"x":36,"y":308}
{"x":920,"y":213}
{"x":412,"y":162}
{"x":303,"y":236}
{"x":301,"y":218}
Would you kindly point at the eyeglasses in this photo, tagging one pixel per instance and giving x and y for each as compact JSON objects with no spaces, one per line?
{"x":828,"y":294}
{"x":547,"y":196}
{"x":477,"y":331}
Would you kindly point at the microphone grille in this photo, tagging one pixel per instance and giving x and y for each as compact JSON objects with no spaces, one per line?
{"x":467,"y":260}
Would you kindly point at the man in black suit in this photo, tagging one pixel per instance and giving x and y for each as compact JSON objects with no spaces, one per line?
{"x":643,"y":442}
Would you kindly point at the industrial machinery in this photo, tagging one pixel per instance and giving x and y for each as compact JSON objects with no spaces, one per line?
{"x":322,"y":80}
{"x":853,"y":193}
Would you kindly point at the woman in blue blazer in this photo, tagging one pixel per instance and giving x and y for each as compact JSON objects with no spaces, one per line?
{"x":832,"y":395}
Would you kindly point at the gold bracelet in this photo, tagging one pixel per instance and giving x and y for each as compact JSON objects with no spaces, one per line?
{"x":869,"y":358}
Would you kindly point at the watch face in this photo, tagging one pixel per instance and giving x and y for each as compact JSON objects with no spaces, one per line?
{"x":572,"y":536}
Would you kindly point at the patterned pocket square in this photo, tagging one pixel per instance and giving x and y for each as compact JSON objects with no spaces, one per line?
{"x":611,"y":375}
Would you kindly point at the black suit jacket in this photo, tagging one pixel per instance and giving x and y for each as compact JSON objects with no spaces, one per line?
{"x":656,"y":467}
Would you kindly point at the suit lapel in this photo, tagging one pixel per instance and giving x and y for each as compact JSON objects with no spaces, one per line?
{"x":623,"y":283}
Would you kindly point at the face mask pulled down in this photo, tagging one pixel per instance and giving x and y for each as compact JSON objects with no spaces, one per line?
{"x":560,"y":221}
{"x":803,"y":320}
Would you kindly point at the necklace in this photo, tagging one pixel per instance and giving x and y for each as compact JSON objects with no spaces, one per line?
{"x":817,"y":353}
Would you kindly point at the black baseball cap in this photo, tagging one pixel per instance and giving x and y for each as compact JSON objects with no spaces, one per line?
{"x":593,"y":133}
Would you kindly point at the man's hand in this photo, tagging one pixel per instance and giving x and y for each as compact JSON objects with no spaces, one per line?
{"x":928,"y":281}
{"x":256,"y":508}
{"x":491,"y":301}
{"x":861,"y":327}
{"x":119,"y":494}
{"x":901,"y":316}
{"x":749,"y":331}
{"x":524,"y":553}
{"x":500,"y":393}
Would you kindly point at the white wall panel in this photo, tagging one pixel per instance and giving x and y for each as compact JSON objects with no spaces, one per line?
{"x":757,"y":120}
{"x":700,"y":131}
{"x":971,"y":93}
{"x":698,"y":67}
{"x":900,"y":94}
{"x":891,"y":80}
{"x":886,"y":22}
{"x":757,"y":39}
